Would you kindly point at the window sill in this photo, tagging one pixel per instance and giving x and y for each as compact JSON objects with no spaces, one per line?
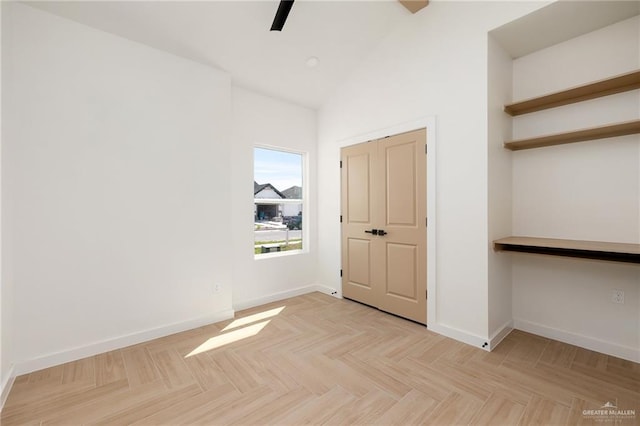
{"x":279,"y":254}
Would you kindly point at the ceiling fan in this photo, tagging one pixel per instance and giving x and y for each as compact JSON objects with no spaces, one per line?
{"x":281,"y":15}
{"x":285,"y":7}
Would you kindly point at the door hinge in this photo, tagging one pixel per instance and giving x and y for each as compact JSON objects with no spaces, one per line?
{"x":426,"y":294}
{"x":340,"y":163}
{"x":340,"y":272}
{"x":340,"y":218}
{"x":426,"y":221}
{"x":425,"y":149}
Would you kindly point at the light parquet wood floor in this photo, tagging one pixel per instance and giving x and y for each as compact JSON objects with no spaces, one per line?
{"x":322,"y":360}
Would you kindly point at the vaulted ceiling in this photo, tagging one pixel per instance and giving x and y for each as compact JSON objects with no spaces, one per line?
{"x":334,"y":35}
{"x":234,"y":36}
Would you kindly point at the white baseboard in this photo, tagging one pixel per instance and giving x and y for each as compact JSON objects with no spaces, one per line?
{"x":327,"y":290}
{"x":499,"y":335}
{"x":609,"y":348}
{"x":472,"y":339}
{"x":275,"y":297}
{"x":5,"y":386}
{"x":460,"y":335}
{"x":95,"y":348}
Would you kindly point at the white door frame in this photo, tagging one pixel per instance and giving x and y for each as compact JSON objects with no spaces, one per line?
{"x":428,"y":123}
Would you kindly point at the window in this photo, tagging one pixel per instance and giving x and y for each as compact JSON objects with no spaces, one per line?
{"x":278,"y":201}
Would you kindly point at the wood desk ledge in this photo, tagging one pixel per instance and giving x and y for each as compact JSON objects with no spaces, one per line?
{"x":617,"y":252}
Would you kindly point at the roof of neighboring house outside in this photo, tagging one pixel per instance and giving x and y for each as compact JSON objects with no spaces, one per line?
{"x":257,"y":187}
{"x":293,"y":192}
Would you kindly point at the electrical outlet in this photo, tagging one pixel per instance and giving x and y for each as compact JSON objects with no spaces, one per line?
{"x":617,"y":296}
{"x":216,"y":288}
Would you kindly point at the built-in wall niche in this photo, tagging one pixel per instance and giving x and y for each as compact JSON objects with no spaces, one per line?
{"x":560,"y":25}
{"x":563,"y":189}
{"x":612,"y":251}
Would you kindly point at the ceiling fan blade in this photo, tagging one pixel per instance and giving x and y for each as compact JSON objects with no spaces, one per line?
{"x":281,"y":15}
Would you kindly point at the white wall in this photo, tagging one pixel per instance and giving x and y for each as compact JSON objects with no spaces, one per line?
{"x":116,"y":159}
{"x":587,"y":191}
{"x":499,"y":189}
{"x":261,"y":120}
{"x":434,"y":65}
{"x":7,"y":347}
{"x":5,"y":304}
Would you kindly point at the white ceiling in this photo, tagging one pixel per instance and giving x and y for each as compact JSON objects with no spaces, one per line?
{"x":234,"y":36}
{"x":561,"y":21}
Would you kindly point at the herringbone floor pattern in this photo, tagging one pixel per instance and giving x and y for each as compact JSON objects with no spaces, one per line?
{"x":316,"y":359}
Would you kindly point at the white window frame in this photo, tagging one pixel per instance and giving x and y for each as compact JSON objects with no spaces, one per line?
{"x":303,"y":201}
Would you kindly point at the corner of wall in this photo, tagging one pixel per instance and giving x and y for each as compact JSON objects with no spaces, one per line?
{"x":6,"y":383}
{"x":282,"y":295}
{"x":7,"y":375}
{"x":499,"y":335}
{"x":460,"y":335}
{"x":499,"y":188}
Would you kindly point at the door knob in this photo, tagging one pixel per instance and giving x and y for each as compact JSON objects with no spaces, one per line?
{"x":382,"y":232}
{"x":373,"y":231}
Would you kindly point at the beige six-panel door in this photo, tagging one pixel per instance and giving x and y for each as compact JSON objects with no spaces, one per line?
{"x":384,"y":224}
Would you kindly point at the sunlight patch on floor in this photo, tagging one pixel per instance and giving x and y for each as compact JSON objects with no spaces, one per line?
{"x":241,"y":322}
{"x":227,"y":338}
{"x":245,"y":327}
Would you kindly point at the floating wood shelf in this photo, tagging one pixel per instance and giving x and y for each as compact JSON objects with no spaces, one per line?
{"x":609,"y":86}
{"x":618,"y":252}
{"x":603,"y":132}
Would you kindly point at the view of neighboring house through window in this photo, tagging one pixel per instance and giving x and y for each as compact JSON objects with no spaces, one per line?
{"x":278,"y":204}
